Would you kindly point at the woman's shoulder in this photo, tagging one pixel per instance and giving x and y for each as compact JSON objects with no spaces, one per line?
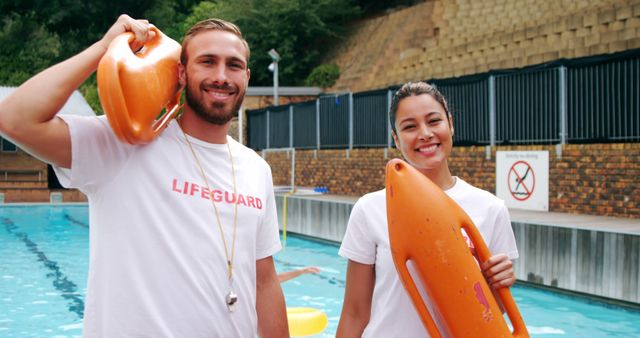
{"x":467,"y":192}
{"x":373,"y":198}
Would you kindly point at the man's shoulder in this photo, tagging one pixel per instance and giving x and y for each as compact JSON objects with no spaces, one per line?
{"x":68,"y":118}
{"x":95,"y":128}
{"x":246,"y":153}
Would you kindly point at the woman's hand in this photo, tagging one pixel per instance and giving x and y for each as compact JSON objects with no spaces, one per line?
{"x":498,"y":271}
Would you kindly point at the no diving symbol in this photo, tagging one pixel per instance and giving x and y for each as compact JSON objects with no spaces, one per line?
{"x":522,"y":180}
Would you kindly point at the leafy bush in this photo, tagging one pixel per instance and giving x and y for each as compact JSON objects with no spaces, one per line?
{"x":323,"y":76}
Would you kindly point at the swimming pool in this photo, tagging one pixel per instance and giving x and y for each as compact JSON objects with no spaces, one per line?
{"x":43,"y":264}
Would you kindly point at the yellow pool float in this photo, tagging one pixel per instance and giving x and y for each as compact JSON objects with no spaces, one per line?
{"x":306,"y":321}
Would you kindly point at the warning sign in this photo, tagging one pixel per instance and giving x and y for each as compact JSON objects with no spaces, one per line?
{"x":522,"y":179}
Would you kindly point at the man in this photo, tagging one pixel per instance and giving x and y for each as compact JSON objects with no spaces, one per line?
{"x":182,"y":229}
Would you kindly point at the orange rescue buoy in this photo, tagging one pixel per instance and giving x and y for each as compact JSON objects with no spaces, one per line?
{"x":134,"y":88}
{"x":425,"y":228}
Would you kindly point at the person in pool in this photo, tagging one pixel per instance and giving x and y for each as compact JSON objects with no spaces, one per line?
{"x":291,"y":274}
{"x":375,"y":302}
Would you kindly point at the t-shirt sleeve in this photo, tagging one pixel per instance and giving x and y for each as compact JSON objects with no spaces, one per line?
{"x":96,"y":153}
{"x":268,"y":240}
{"x":358,"y":244}
{"x":503,"y":240}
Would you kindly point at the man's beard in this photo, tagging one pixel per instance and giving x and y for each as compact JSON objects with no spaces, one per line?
{"x":215,"y":112}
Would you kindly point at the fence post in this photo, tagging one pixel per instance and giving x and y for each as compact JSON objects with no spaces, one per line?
{"x":318,"y":124}
{"x":290,"y":126}
{"x":562,"y":78}
{"x":386,"y":149}
{"x":268,"y":127}
{"x":492,"y":115}
{"x":350,"y":123}
{"x":562,"y":72}
{"x":389,"y":98}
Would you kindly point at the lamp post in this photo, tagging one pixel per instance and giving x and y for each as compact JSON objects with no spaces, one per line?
{"x":273,"y":67}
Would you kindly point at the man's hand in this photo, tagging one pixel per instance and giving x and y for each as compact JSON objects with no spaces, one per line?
{"x":140,"y":28}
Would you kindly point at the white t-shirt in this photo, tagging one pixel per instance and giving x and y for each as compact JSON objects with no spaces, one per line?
{"x":367,"y":241}
{"x":157,"y":262}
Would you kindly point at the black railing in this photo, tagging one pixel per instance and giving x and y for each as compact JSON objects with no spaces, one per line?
{"x":593,"y":99}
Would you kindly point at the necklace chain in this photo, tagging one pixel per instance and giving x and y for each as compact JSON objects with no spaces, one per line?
{"x":215,"y":207}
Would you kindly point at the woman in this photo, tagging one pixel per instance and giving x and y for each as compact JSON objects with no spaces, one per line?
{"x":375,"y":303}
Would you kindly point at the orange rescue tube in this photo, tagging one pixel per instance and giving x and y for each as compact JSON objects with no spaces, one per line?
{"x":425,"y":228}
{"x":134,"y":88}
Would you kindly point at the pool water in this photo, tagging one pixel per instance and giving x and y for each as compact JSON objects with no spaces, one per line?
{"x":43,"y":267}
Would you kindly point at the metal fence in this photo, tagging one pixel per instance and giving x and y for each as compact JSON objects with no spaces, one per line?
{"x":603,"y":101}
{"x":527,"y":107}
{"x":305,"y":125}
{"x":585,"y":100}
{"x":469,"y":103}
{"x":334,"y":120}
{"x":370,"y":116}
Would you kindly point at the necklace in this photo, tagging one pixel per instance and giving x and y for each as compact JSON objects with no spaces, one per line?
{"x":232,"y":297}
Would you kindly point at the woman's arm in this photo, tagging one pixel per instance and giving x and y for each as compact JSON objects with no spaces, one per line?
{"x":356,"y":309}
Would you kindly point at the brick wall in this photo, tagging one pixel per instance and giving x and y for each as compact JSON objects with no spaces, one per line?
{"x":444,"y":38}
{"x":597,"y":179}
{"x":20,"y":160}
{"x":27,"y":188}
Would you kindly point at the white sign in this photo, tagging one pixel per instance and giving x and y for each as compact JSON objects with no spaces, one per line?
{"x":522,"y":179}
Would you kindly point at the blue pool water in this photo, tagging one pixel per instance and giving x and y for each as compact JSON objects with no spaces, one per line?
{"x":43,"y":264}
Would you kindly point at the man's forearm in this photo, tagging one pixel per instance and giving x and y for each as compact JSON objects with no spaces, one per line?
{"x":270,"y":306}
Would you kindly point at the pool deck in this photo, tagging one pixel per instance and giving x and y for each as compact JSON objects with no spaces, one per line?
{"x":578,"y":221}
{"x":556,"y":219}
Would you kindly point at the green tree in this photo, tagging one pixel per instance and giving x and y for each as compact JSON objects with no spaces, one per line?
{"x":300,"y":30}
{"x":35,"y":34}
{"x":27,"y":47}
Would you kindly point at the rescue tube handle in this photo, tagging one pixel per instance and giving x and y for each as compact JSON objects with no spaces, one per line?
{"x":173,"y":105}
{"x":128,"y":54}
{"x":414,"y":294}
{"x":519,"y":327}
{"x":171,"y":109}
{"x":110,"y":76}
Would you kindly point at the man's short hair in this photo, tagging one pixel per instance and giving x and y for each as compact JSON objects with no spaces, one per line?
{"x":212,"y":24}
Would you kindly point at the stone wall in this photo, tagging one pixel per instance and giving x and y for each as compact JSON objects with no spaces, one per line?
{"x":444,"y":38}
{"x":20,"y":160}
{"x":596,"y":179}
